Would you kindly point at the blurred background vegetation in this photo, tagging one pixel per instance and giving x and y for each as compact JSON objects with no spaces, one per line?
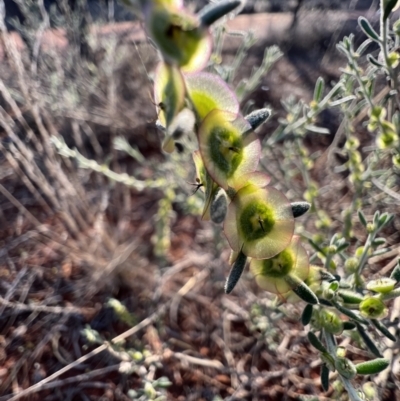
{"x":106,"y":269}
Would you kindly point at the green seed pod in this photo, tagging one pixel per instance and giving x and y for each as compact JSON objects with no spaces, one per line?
{"x":219,"y":206}
{"x":307,"y":315}
{"x":330,"y":321}
{"x":179,"y":36}
{"x":208,"y":92}
{"x":226,"y":152}
{"x":236,"y":272}
{"x":315,"y":342}
{"x":260,"y":220}
{"x":169,"y":92}
{"x":372,"y":367}
{"x":373,"y":308}
{"x":349,"y":313}
{"x":378,"y":241}
{"x":345,"y":368}
{"x":325,"y":377}
{"x":396,"y":272}
{"x":382,"y":285}
{"x":349,"y":325}
{"x":383,"y":329}
{"x":258,"y":117}
{"x":350,"y":297}
{"x":368,"y":341}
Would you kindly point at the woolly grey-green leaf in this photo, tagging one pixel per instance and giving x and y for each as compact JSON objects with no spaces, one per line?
{"x":383,"y":329}
{"x":306,"y":315}
{"x":325,"y":377}
{"x":319,"y":89}
{"x":236,"y":272}
{"x":368,"y":341}
{"x":300,"y":208}
{"x":315,"y":342}
{"x":214,"y":11}
{"x":349,"y":325}
{"x":302,"y":290}
{"x":362,"y":218}
{"x":258,"y":117}
{"x":349,"y":313}
{"x":396,"y":272}
{"x":368,"y":30}
{"x":388,"y":8}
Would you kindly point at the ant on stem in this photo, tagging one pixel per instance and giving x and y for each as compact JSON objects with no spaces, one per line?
{"x":197,"y":184}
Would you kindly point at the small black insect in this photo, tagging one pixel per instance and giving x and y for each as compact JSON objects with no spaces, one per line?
{"x":197,"y":184}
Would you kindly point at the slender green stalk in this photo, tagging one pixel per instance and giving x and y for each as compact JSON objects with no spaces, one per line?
{"x":352,"y":392}
{"x":364,"y":258}
{"x":384,"y":26}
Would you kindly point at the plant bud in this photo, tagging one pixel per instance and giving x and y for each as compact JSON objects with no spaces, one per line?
{"x":330,"y":321}
{"x":328,"y":360}
{"x":345,"y":368}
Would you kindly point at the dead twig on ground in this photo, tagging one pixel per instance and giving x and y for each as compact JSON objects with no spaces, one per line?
{"x":42,"y":385}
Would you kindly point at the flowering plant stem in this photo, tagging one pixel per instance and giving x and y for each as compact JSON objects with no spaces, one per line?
{"x":352,"y":392}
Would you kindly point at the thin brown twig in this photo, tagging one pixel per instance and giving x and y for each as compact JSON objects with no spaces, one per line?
{"x":82,"y":377}
{"x":41,"y":385}
{"x":21,"y":307}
